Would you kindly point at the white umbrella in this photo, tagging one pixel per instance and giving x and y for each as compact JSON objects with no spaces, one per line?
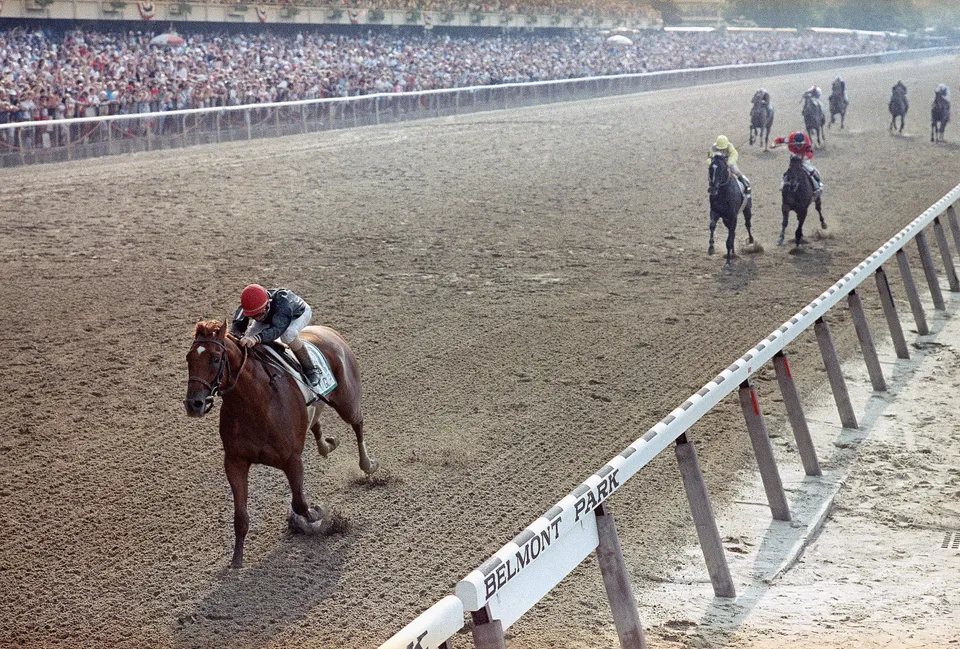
{"x":619,"y":39}
{"x":168,"y":40}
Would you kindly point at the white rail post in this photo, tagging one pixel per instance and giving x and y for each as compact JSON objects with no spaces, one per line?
{"x":763,"y":450}
{"x":487,"y":632}
{"x":954,"y":226}
{"x":616,"y":581}
{"x":912,"y":295}
{"x":946,"y":256}
{"x":890,"y":311}
{"x":798,"y":421}
{"x":704,"y":518}
{"x":930,"y":272}
{"x":866,"y":341}
{"x":834,"y":373}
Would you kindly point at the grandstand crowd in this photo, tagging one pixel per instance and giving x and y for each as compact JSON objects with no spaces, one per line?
{"x":44,"y":75}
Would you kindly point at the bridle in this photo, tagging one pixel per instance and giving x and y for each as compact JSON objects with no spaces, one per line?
{"x":715,"y":184}
{"x":225,"y":380}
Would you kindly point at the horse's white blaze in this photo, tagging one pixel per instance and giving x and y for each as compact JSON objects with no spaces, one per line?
{"x":201,"y":349}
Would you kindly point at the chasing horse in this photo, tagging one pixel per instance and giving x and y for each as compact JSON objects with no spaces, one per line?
{"x":838,"y":101}
{"x":939,"y":113}
{"x":268,"y":405}
{"x":801,"y":185}
{"x":899,"y":105}
{"x":729,"y":192}
{"x":761,"y":118}
{"x":813,"y":117}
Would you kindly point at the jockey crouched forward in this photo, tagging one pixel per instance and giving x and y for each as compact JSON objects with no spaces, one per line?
{"x":800,"y":145}
{"x":278,"y":314}
{"x":723,"y":147}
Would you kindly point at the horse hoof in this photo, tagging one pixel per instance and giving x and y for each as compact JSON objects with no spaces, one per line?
{"x":801,"y":241}
{"x":314,"y":522}
{"x":327,"y":445}
{"x":710,"y":250}
{"x":370,"y":467}
{"x":749,"y":239}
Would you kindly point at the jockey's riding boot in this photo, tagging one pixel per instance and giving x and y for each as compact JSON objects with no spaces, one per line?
{"x":310,"y":369}
{"x":746,"y":184}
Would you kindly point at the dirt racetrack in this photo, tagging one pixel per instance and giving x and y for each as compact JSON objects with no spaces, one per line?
{"x":527,"y":292}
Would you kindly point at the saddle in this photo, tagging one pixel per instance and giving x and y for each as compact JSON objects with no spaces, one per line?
{"x":281,"y":357}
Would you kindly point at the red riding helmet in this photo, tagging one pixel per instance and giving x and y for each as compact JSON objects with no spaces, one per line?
{"x":254,"y":300}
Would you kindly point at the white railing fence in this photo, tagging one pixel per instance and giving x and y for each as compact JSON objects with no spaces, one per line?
{"x":79,"y":138}
{"x":518,"y":575}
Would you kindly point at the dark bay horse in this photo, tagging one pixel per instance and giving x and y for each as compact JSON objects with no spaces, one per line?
{"x":761,"y":120}
{"x":727,"y":198}
{"x":939,"y":116}
{"x":838,"y":103}
{"x":898,"y":108}
{"x":797,"y":194}
{"x":264,"y":419}
{"x":814,"y":119}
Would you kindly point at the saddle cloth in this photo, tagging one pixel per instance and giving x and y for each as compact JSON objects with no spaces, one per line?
{"x":288,"y":362}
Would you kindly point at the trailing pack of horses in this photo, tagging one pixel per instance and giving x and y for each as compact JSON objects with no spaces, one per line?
{"x":729,"y":197}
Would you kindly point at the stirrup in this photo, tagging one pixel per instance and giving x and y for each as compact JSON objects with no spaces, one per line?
{"x":313,"y":378}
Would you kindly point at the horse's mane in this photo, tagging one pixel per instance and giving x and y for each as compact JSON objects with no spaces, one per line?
{"x":208,"y":329}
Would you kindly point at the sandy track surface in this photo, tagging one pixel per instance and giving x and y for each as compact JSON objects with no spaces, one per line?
{"x":527,"y":292}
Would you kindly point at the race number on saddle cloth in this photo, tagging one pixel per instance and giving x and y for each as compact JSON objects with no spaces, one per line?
{"x":278,"y":315}
{"x":724,"y":147}
{"x":800,"y":145}
{"x":285,"y":360}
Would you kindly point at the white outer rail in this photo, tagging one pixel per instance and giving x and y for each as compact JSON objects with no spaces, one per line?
{"x":481,"y":585}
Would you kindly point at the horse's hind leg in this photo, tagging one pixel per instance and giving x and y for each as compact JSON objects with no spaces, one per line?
{"x":325,"y":445}
{"x":237,"y":471}
{"x":817,"y":203}
{"x":367,"y":463}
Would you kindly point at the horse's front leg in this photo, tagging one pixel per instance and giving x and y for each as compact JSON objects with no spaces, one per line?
{"x":713,"y":226}
{"x":731,"y":234}
{"x":237,"y":471}
{"x":801,"y":218}
{"x":294,"y":472}
{"x":367,"y":463}
{"x":817,"y":203}
{"x":783,"y":226}
{"x":747,"y":217}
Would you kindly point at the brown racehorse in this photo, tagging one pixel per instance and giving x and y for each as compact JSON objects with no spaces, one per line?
{"x":263,"y":419}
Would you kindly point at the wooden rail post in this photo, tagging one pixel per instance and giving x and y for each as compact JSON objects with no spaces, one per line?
{"x":616,"y":581}
{"x":763,"y":450}
{"x":791,"y":401}
{"x":912,"y":295}
{"x":835,"y":374}
{"x":704,"y":518}
{"x":866,"y":341}
{"x":926,"y":259}
{"x":954,"y":226}
{"x":890,"y":311}
{"x":946,"y":256}
{"x":487,"y":632}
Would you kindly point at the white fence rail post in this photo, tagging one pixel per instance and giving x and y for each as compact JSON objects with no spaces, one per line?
{"x":912,"y":295}
{"x":945,"y":255}
{"x":703,"y":518}
{"x":616,"y":581}
{"x":890,"y":312}
{"x":930,"y":272}
{"x":954,"y":227}
{"x":866,"y":342}
{"x":763,"y":451}
{"x":798,"y":421}
{"x":834,"y":373}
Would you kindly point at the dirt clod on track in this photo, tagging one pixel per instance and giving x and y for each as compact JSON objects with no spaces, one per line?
{"x":527,"y":293}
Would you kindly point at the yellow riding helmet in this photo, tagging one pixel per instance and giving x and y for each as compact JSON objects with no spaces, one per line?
{"x":722,"y":142}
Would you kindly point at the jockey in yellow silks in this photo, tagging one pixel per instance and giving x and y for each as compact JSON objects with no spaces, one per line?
{"x":728,"y":151}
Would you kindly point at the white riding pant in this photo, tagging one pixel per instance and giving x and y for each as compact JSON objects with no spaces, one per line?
{"x":290,"y":336}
